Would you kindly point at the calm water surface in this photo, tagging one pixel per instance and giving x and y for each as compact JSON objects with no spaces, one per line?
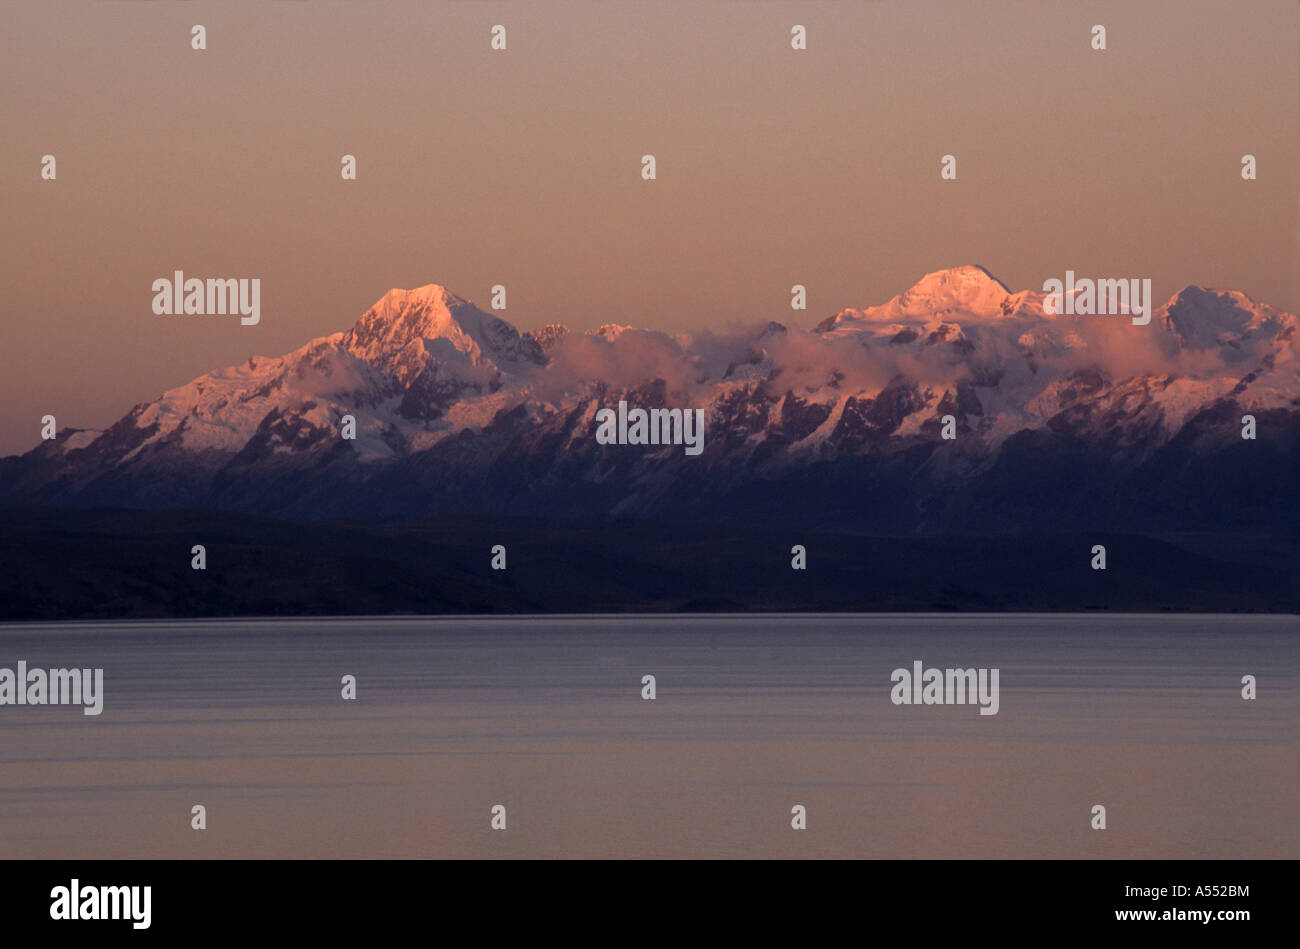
{"x":754,"y":714}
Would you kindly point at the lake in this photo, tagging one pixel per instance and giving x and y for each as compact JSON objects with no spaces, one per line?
{"x":753,"y":715}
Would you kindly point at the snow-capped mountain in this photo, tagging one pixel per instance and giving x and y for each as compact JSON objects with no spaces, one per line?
{"x":1073,"y":417}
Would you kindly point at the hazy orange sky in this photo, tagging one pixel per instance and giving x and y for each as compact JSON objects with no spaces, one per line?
{"x":522,"y":167}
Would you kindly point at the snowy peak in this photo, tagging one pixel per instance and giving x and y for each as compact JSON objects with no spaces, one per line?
{"x":967,"y":291}
{"x":408,"y":360}
{"x":549,"y":336}
{"x":403,"y":316}
{"x":1204,"y":318}
{"x":407,"y":331}
{"x":611,"y":331}
{"x":422,"y":367}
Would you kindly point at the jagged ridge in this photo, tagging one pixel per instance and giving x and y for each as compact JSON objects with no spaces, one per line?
{"x":458,"y":410}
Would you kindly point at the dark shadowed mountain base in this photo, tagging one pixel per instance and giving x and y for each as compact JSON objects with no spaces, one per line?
{"x":59,"y":564}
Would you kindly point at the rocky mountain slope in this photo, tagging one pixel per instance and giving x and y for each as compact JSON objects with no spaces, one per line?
{"x":1062,"y":421}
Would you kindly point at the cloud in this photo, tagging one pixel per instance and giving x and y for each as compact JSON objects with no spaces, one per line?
{"x":1026,"y":353}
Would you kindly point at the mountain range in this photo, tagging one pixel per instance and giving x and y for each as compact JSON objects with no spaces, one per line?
{"x":1062,"y":422}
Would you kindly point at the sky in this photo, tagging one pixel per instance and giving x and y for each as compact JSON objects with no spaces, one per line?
{"x":522,"y":167}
